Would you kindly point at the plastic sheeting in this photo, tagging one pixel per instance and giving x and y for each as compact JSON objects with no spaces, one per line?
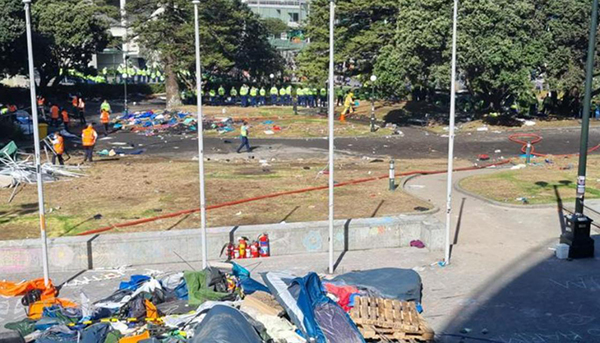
{"x":394,"y":283}
{"x":224,"y":324}
{"x":317,"y":316}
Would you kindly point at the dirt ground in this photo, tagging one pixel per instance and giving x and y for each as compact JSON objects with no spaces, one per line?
{"x":139,"y":187}
{"x":537,"y":183}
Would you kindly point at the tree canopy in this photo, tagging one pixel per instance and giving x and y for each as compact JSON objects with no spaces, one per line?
{"x":233,"y":39}
{"x":66,"y":34}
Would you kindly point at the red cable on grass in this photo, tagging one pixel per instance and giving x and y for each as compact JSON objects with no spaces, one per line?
{"x":274,"y":195}
{"x":536,"y":139}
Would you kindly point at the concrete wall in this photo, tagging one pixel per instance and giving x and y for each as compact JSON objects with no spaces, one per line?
{"x":113,"y":250}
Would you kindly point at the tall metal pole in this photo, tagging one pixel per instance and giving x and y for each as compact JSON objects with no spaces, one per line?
{"x":331,"y":120}
{"x":122,"y":4}
{"x":585,"y":123}
{"x":36,"y":142}
{"x":200,"y":138}
{"x":451,"y":133}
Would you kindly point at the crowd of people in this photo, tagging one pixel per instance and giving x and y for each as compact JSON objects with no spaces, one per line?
{"x":255,"y":96}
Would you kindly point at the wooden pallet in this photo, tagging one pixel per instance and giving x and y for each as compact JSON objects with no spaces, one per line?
{"x":389,"y":320}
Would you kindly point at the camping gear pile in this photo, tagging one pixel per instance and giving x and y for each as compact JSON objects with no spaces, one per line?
{"x":226,"y":304}
{"x":150,"y":123}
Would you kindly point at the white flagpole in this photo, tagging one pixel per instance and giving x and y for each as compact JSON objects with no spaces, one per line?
{"x":451,"y":133}
{"x":331,"y":120}
{"x":200,"y":128}
{"x":36,"y":142}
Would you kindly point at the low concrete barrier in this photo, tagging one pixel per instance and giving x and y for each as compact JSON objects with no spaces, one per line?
{"x":113,"y":250}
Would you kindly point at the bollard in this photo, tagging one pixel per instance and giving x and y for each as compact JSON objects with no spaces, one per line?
{"x":372,"y":114}
{"x":528,"y":153}
{"x":392,"y":176}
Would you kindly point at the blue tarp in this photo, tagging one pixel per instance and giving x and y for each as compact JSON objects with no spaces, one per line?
{"x":248,"y":284}
{"x":135,"y":282}
{"x":319,"y":318}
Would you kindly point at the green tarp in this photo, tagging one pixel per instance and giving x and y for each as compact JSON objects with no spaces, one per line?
{"x":198,"y":290}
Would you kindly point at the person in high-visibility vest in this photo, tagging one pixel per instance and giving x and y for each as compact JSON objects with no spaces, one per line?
{"x":54,"y":112}
{"x":40,"y":103}
{"x":58,"y":143}
{"x":75,"y":102}
{"x":88,"y":140}
{"x":323,"y":97}
{"x":81,"y":111}
{"x":105,"y":119}
{"x":244,"y":95}
{"x":233,"y":93}
{"x":282,"y":94}
{"x":221,"y":95}
{"x":263,"y":93}
{"x":212,"y":94}
{"x":253,"y":95}
{"x":300,"y":96}
{"x":65,"y":118}
{"x":244,"y":138}
{"x":339,"y":93}
{"x":348,"y":105}
{"x":315,"y":96}
{"x":274,"y":92}
{"x":306,"y":91}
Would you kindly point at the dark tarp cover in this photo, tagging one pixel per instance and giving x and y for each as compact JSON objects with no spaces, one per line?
{"x":225,"y":324}
{"x":394,"y":283}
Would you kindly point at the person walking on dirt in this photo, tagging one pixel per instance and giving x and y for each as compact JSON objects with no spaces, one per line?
{"x":105,"y":106}
{"x":81,"y":111}
{"x":88,"y":139}
{"x":244,"y":138}
{"x":54,"y":111}
{"x":105,"y":119}
{"x":58,"y":143}
{"x":65,"y":118}
{"x":348,"y":105}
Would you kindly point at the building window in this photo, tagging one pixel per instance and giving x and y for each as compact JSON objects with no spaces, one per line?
{"x":294,"y":17}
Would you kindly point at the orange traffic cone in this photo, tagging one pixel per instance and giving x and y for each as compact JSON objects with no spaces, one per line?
{"x":342,"y":117}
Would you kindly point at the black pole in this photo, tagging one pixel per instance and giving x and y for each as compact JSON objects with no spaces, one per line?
{"x":585,"y":124}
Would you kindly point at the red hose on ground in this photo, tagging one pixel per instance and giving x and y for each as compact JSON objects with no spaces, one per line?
{"x":534,"y":139}
{"x":274,"y":195}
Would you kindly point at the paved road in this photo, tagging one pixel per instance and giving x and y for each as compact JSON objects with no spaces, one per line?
{"x":415,"y":143}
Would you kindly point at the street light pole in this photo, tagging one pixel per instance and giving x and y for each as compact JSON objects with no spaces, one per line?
{"x":200,"y":127}
{"x":36,"y":142}
{"x":331,"y":133}
{"x":577,"y":233}
{"x":451,"y":134}
{"x":125,"y":76}
{"x":373,"y":79}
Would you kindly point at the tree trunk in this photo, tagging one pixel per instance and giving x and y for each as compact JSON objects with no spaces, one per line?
{"x":172,"y":87}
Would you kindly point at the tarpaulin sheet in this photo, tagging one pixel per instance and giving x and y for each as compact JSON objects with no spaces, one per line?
{"x":319,"y":318}
{"x":224,"y":324}
{"x":393,"y":283}
{"x":198,"y":288}
{"x":14,"y":289}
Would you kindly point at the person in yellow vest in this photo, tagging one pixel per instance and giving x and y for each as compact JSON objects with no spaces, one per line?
{"x":88,"y":140}
{"x":105,"y":119}
{"x":58,"y":143}
{"x":65,"y":118}
{"x":244,"y":138}
{"x":348,"y":105}
{"x":274,"y":92}
{"x":282,"y":94}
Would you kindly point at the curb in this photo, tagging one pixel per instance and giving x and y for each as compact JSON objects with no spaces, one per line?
{"x":458,"y":188}
{"x":403,"y":183}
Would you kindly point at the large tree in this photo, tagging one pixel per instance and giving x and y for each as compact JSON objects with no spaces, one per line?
{"x":233,"y":39}
{"x":66,"y":33}
{"x":363,"y":28}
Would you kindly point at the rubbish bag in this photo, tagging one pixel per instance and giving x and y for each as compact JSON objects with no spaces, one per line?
{"x":225,"y":324}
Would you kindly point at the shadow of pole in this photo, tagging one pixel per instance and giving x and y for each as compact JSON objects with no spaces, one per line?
{"x":560,"y":210}
{"x":341,"y":257}
{"x":458,"y":224}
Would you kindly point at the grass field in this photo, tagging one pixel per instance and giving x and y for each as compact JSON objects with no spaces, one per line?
{"x":141,"y":187}
{"x":539,"y":184}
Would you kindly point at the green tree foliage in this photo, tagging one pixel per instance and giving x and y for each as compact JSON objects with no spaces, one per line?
{"x":66,"y":33}
{"x":363,"y":28}
{"x":274,"y":26}
{"x":232,"y":39}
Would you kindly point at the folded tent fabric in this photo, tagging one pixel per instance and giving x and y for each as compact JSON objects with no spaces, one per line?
{"x":199,"y":288}
{"x":15,"y":289}
{"x":134,"y":282}
{"x":136,"y":338}
{"x":248,"y":284}
{"x":342,"y":293}
{"x":36,"y":310}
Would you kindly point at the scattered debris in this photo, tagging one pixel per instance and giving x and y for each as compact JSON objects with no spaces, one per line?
{"x":482,"y":129}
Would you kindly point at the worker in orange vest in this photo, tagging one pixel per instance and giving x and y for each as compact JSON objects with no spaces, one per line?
{"x":40,"y":103}
{"x":58,"y":143}
{"x":54,"y":110}
{"x":105,"y":119}
{"x":65,"y":118}
{"x":88,"y":138}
